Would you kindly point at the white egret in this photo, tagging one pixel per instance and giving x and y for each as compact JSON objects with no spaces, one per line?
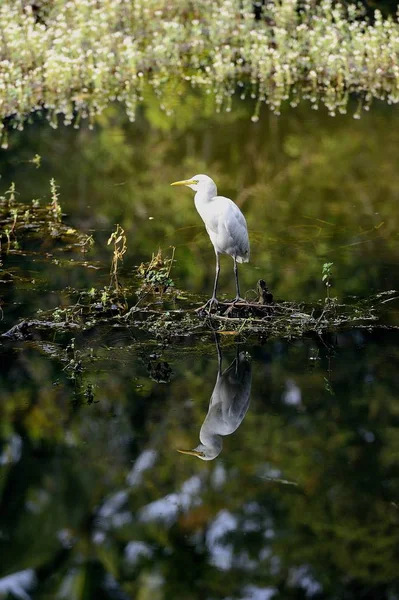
{"x":225,"y":224}
{"x":228,"y":405}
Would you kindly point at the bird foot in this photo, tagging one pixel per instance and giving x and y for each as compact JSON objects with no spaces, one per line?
{"x":232,"y":304}
{"x":207,"y":307}
{"x":237,"y":299}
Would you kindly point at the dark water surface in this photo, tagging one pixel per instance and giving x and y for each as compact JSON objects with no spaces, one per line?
{"x":300,"y":497}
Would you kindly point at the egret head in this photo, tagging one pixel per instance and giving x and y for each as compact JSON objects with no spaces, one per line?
{"x":205,"y":452}
{"x":199,"y":183}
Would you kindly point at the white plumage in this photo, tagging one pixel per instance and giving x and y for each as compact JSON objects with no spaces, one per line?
{"x":228,"y":405}
{"x":224,"y":222}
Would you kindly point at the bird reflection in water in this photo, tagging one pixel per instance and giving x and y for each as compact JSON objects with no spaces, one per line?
{"x":228,"y":405}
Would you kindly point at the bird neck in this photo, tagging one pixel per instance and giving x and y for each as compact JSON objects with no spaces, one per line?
{"x":206,"y":194}
{"x":212,"y":442}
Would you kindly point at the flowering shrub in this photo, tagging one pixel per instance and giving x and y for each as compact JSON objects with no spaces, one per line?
{"x":80,"y":55}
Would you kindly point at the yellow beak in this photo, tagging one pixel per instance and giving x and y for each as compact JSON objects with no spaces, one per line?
{"x":190,"y":452}
{"x":184,"y":182}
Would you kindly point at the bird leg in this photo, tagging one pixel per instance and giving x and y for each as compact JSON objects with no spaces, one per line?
{"x":238,"y":297}
{"x":220,"y":357}
{"x":212,"y":301}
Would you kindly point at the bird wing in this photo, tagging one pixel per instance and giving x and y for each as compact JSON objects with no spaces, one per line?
{"x":227,"y":227}
{"x":230,"y":398}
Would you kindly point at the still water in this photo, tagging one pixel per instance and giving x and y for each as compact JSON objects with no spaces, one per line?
{"x":299,"y":495}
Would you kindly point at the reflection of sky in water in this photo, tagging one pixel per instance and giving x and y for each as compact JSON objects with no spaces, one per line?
{"x":252,"y":592}
{"x":135,"y":550}
{"x":302,"y":577}
{"x":221,"y":553}
{"x":292,"y":395}
{"x":145,"y":461}
{"x":167,"y":509}
{"x":145,"y":486}
{"x":12,"y":450}
{"x":18,"y":584}
{"x":261,"y":449}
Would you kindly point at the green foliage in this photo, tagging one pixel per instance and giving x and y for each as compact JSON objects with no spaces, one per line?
{"x":327,"y":271}
{"x":32,"y":220}
{"x":311,"y":188}
{"x":156,"y":274}
{"x":55,"y":205}
{"x":10,"y":194}
{"x":311,"y":487}
{"x":87,"y":243}
{"x":36,"y":160}
{"x":119,"y":241}
{"x":79,"y":56}
{"x":326,"y":276}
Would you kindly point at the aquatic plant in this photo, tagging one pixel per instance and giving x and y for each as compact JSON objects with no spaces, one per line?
{"x":326,"y":273}
{"x":78,"y":56}
{"x":55,"y":205}
{"x":119,"y":241}
{"x":286,"y":320}
{"x":34,"y":221}
{"x":155,"y":275}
